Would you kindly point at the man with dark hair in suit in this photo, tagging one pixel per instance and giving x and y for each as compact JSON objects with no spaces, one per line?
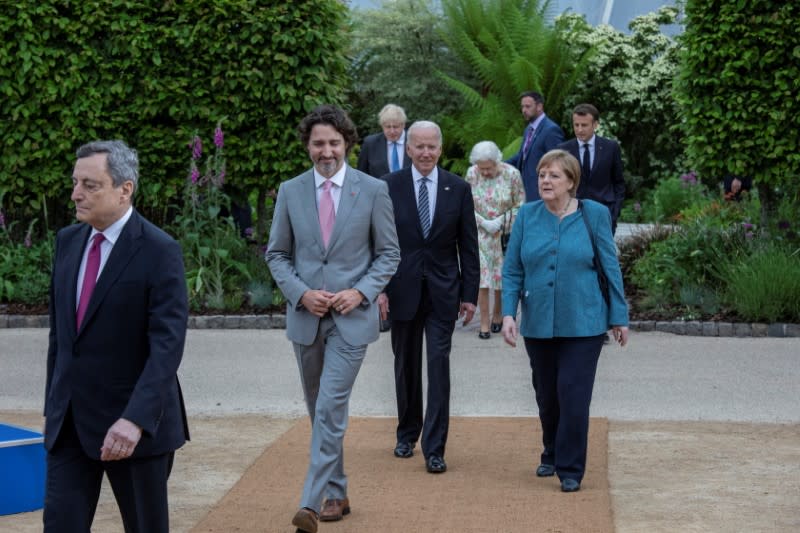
{"x":601,"y":162}
{"x":540,"y":136}
{"x":436,"y":283}
{"x":118,"y":315}
{"x":332,"y":249}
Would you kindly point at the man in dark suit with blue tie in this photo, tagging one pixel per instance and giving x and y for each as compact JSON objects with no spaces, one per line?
{"x":601,"y":162}
{"x":540,"y":136}
{"x":385,"y":152}
{"x":435,"y":284}
{"x":118,"y":315}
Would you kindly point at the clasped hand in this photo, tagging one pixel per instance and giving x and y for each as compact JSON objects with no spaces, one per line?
{"x":319,"y":302}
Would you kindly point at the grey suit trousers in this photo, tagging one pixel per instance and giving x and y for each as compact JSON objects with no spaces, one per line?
{"x":328,"y":370}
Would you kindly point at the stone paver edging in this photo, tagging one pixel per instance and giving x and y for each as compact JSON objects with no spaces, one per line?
{"x":678,"y":327}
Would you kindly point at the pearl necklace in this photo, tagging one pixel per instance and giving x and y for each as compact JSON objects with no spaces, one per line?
{"x":562,"y":212}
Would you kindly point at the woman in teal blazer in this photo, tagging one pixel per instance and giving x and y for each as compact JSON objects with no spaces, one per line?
{"x":549,"y":270}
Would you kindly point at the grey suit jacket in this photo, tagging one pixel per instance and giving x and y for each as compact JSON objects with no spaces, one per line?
{"x":363,"y":253}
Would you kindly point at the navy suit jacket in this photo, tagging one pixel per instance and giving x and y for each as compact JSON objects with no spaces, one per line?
{"x":373,"y":160}
{"x":448,"y":259}
{"x":123,"y":361}
{"x":605,"y":183}
{"x":547,"y":136}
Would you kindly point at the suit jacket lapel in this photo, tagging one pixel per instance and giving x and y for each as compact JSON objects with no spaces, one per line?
{"x":443,"y":191}
{"x":347,"y":200}
{"x":124,"y":249}
{"x":598,"y":153}
{"x":309,"y":194}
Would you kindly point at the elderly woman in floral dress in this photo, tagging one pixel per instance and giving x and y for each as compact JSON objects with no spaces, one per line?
{"x":498,"y":193}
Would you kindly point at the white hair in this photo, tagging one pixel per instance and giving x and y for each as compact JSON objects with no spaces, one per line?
{"x":425,"y":125}
{"x":485,"y":151}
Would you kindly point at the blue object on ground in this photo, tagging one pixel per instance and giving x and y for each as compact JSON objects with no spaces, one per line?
{"x":22,"y":470}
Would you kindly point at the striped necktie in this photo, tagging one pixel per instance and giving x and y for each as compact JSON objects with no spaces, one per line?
{"x":424,"y":208}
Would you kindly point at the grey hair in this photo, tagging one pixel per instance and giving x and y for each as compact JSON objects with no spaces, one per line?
{"x":485,"y":151}
{"x":424,"y":125}
{"x":122,"y":162}
{"x":391,"y":113}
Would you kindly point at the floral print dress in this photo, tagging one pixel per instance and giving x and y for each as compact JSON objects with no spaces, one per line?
{"x":494,"y":197}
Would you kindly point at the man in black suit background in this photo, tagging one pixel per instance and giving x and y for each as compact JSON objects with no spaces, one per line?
{"x":385,"y":152}
{"x":540,"y":136}
{"x":435,"y":284}
{"x":601,"y":162}
{"x":118,"y":315}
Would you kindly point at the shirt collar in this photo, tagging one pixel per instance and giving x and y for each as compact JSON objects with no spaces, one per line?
{"x":337,"y":179}
{"x":538,"y":120}
{"x":433,"y":176}
{"x":112,"y":232}
{"x":590,"y":142}
{"x":400,"y":142}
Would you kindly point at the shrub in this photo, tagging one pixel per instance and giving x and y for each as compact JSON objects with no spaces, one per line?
{"x":765,"y":287}
{"x":24,"y":266}
{"x":673,"y":195}
{"x":689,"y":257}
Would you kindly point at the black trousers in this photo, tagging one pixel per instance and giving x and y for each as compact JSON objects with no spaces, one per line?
{"x":73,"y":487}
{"x":563,"y":372}
{"x":407,"y":347}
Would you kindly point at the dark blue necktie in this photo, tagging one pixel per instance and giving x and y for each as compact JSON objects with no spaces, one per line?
{"x":587,"y":165}
{"x":424,"y":209}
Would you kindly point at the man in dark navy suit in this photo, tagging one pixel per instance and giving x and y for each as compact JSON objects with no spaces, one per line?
{"x":382,"y":153}
{"x":436,"y":283}
{"x":601,"y":162}
{"x":540,"y":136}
{"x":118,"y":315}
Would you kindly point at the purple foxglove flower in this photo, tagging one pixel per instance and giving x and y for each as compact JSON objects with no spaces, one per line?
{"x":197,"y":148}
{"x":219,"y":137}
{"x":195,"y":175}
{"x":2,"y":220}
{"x":28,"y":242}
{"x":222,"y":177}
{"x":747,"y":226}
{"x":248,"y":231}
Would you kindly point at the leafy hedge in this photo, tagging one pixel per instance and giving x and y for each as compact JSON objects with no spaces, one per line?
{"x":737,"y":90}
{"x":152,"y":72}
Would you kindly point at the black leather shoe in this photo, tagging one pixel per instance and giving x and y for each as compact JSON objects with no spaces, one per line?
{"x":570,"y":485}
{"x":545,"y":470}
{"x":496,"y":327}
{"x":436,"y":464}
{"x":404,"y":450}
{"x":484,"y":334}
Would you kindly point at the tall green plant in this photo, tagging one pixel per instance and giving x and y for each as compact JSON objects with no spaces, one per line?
{"x":510,"y":48}
{"x":152,"y":72}
{"x":737,"y":90}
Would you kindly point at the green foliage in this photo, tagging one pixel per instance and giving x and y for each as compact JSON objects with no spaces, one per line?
{"x":629,"y":78}
{"x":673,"y":195}
{"x":689,"y":258}
{"x":509,"y":48}
{"x":737,"y":90}
{"x":765,"y":287}
{"x":24,"y":265}
{"x":151,"y":72}
{"x":396,"y":49}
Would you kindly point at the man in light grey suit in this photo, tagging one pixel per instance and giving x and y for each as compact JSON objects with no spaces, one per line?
{"x":332,"y":249}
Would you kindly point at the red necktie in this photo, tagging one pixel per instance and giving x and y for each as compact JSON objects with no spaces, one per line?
{"x":327,"y":214}
{"x":89,"y":277}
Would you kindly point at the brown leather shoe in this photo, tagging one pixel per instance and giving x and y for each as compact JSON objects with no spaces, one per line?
{"x":334,"y":510}
{"x":306,"y":520}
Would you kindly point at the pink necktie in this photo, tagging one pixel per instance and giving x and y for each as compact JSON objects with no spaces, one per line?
{"x":327,"y":214}
{"x":89,"y":276}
